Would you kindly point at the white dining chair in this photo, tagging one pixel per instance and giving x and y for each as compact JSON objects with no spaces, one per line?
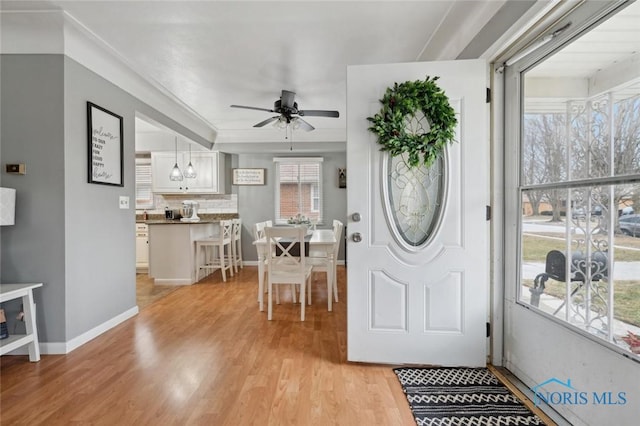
{"x":337,"y":231}
{"x":326,"y":262}
{"x":285,"y":265}
{"x":263,"y":261}
{"x":258,"y":230}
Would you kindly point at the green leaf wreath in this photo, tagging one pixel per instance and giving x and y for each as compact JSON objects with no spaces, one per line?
{"x":400,"y":105}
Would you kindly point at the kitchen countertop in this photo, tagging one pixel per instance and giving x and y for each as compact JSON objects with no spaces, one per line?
{"x":178,"y":222}
{"x":158,"y":219}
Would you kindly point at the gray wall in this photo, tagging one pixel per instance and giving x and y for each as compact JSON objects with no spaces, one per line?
{"x":257,"y":203}
{"x":69,"y":234}
{"x":100,"y":244}
{"x":32,"y":132}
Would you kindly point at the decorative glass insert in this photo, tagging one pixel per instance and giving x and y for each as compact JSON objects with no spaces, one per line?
{"x":415,"y":198}
{"x":417,"y":124}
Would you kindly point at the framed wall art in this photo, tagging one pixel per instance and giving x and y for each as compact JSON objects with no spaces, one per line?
{"x":105,"y":137}
{"x":342,"y":178}
{"x":248,"y":177}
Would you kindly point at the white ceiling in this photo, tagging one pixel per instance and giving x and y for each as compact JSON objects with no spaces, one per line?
{"x":605,"y":59}
{"x":614,"y":41}
{"x":211,"y":54}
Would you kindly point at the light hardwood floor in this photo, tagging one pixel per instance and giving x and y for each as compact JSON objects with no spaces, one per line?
{"x":205,"y":355}
{"x":147,"y":292}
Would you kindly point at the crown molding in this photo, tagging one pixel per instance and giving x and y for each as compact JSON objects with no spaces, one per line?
{"x":282,"y":147}
{"x":31,"y":32}
{"x":279,"y":135}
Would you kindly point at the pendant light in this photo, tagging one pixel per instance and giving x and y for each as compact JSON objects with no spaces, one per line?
{"x":176,"y":174}
{"x":190,"y":172}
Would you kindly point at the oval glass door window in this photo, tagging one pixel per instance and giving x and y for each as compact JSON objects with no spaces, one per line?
{"x":415,"y":199}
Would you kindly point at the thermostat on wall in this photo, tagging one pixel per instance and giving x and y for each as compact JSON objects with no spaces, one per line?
{"x":18,"y":169}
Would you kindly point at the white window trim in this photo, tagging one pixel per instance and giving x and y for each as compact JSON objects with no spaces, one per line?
{"x":296,"y":160}
{"x":315,"y":193}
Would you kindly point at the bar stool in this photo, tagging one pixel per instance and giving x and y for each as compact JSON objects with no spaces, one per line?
{"x":218,"y":251}
{"x":236,"y":244}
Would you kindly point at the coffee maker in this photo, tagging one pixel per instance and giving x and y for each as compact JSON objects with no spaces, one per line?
{"x":189,"y":211}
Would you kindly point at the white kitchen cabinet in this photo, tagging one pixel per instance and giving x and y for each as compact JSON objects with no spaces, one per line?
{"x":142,"y":247}
{"x":209,"y":167}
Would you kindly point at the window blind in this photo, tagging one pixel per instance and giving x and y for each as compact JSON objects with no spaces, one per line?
{"x":298,"y":188}
{"x":144,"y":195}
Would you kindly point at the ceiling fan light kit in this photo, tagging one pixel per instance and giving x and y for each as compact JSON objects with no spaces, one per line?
{"x":280,"y":123}
{"x":289,"y":114}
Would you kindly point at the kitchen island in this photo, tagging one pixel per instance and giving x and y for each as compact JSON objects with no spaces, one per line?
{"x":172,"y":252}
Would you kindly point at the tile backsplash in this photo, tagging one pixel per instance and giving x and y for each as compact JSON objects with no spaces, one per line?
{"x":208,"y":203}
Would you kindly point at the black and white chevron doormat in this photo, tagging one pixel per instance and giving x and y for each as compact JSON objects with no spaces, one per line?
{"x":462,"y":397}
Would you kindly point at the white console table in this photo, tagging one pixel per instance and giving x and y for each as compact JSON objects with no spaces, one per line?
{"x":25,"y":291}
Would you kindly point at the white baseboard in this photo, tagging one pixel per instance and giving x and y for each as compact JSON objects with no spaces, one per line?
{"x":173,"y":281}
{"x":255,"y":262}
{"x":62,"y":348}
{"x":52,"y":348}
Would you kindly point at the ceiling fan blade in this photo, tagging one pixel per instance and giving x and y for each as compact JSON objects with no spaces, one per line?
{"x":250,"y":107}
{"x":304,"y":125}
{"x":267,"y":121}
{"x":287,"y":99}
{"x":319,"y":113}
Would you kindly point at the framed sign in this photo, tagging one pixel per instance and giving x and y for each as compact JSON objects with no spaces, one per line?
{"x":342,"y":178}
{"x":248,"y":176}
{"x":105,"y":146}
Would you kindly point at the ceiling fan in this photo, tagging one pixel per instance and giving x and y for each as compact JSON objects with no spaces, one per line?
{"x":289,"y":114}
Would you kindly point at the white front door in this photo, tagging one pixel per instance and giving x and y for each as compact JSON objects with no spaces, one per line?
{"x":424,"y":303}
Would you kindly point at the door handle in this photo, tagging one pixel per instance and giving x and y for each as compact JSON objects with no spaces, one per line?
{"x":356,"y":237}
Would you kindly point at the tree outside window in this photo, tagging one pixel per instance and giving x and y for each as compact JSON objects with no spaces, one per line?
{"x":580,"y":185}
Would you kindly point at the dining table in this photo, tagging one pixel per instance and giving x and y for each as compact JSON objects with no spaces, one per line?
{"x":320,"y":241}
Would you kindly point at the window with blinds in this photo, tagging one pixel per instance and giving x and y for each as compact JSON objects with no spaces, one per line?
{"x":144,"y":195}
{"x":298,"y":188}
